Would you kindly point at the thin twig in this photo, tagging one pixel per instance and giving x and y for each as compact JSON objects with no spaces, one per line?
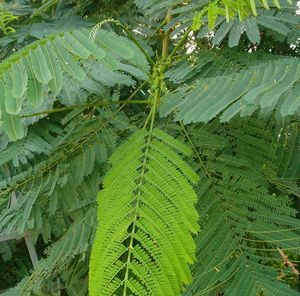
{"x":195,"y":150}
{"x":103,"y":103}
{"x":288,"y":263}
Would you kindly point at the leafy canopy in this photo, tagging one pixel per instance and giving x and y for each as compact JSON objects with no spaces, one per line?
{"x":181,"y":116}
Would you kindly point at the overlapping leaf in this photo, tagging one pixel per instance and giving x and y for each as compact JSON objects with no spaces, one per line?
{"x":38,"y":71}
{"x":246,"y":216}
{"x":267,"y":87}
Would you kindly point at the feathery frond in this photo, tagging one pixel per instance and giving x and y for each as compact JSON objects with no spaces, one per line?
{"x":37,"y":71}
{"x":267,"y":87}
{"x":143,"y":244}
{"x":282,"y":21}
{"x":245,"y":217}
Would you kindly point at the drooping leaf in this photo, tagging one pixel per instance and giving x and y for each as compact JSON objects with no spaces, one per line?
{"x":56,"y":83}
{"x":252,"y":30}
{"x":69,"y":65}
{"x":11,"y":124}
{"x":39,"y":66}
{"x":82,"y":37}
{"x":12,"y":104}
{"x":35,"y":88}
{"x":19,"y":80}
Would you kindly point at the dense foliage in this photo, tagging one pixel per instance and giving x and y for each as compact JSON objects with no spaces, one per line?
{"x":149,"y":147}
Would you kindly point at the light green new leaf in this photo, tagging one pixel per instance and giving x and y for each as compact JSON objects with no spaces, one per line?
{"x":146,"y":217}
{"x":253,"y":7}
{"x":265,"y":4}
{"x":212,"y":14}
{"x":197,"y":21}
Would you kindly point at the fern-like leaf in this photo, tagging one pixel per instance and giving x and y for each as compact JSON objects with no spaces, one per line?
{"x":266,"y":87}
{"x":281,"y":21}
{"x":246,"y":217}
{"x":48,"y":64}
{"x":146,"y":216}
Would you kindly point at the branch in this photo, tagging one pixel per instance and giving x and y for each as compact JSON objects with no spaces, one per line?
{"x":84,"y":106}
{"x":166,"y":38}
{"x":180,"y":43}
{"x":287,"y":262}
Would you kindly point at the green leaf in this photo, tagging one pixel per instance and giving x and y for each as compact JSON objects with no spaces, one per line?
{"x":35,"y":88}
{"x":281,"y":85}
{"x":67,"y":61}
{"x":75,"y":46}
{"x":291,"y":102}
{"x":136,"y":72}
{"x":11,"y":124}
{"x":241,"y":92}
{"x":88,"y":44}
{"x":252,"y":30}
{"x":222,"y":32}
{"x":19,"y":79}
{"x":110,"y":41}
{"x":272,"y":23}
{"x":235,"y":34}
{"x":56,"y":82}
{"x":241,"y":158}
{"x":39,"y":66}
{"x":13,"y":104}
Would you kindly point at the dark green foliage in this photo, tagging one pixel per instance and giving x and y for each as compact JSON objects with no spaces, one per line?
{"x":67,"y":169}
{"x":246,"y":215}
